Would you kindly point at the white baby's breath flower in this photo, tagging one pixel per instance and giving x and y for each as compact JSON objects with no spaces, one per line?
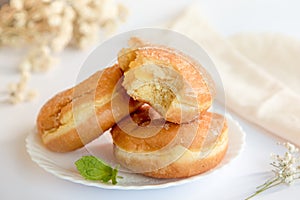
{"x":123,"y":12}
{"x":45,"y":50}
{"x":287,"y":157}
{"x":286,"y":169}
{"x":15,"y":99}
{"x":25,"y":65}
{"x":291,"y":169}
{"x":36,"y":16}
{"x":31,"y":95}
{"x":20,"y":19}
{"x":21,"y":86}
{"x":57,"y":6}
{"x":80,"y":3}
{"x":25,"y":75}
{"x":54,"y":20}
{"x":293,"y":160}
{"x":110,"y":26}
{"x":31,"y":24}
{"x":17,"y":4}
{"x":84,"y":28}
{"x":88,"y":13}
{"x":291,"y":148}
{"x":289,"y":179}
{"x":68,"y":13}
{"x":108,"y":10}
{"x":30,"y":3}
{"x":83,"y":42}
{"x":39,"y":59}
{"x":59,"y":43}
{"x":17,"y":91}
{"x":43,"y":64}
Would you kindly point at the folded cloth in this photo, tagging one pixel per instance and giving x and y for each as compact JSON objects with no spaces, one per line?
{"x":276,"y":53}
{"x":251,"y":91}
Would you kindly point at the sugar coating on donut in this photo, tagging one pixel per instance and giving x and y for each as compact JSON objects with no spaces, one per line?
{"x":155,"y":157}
{"x":171,"y":82}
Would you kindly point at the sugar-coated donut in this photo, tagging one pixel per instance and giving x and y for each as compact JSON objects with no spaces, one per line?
{"x":78,"y":115}
{"x":174,"y":84}
{"x":175,"y":151}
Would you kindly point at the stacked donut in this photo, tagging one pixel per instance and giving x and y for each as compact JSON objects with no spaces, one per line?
{"x":155,"y":100}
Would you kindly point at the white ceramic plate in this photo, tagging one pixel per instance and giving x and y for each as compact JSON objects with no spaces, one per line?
{"x":62,"y":164}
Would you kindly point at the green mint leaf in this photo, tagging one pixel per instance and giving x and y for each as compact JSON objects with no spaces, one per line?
{"x":93,"y":168}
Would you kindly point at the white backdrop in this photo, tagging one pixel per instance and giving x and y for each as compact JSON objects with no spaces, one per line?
{"x":23,"y":179}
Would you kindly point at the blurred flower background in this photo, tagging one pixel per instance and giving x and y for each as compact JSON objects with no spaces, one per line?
{"x":49,"y":26}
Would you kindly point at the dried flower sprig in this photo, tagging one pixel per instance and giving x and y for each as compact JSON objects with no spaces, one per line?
{"x":19,"y":92}
{"x":49,"y":26}
{"x":58,"y":23}
{"x":286,"y":169}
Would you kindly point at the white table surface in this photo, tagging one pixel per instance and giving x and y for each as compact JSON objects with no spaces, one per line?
{"x":20,"y":178}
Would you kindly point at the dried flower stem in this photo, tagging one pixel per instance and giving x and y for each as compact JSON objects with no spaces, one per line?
{"x":267,"y":185}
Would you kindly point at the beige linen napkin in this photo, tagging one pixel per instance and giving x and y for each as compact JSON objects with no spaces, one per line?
{"x":277,"y":54}
{"x":251,"y":92}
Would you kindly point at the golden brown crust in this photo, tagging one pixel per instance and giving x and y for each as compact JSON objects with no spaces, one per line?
{"x":180,"y":170}
{"x":80,"y":114}
{"x":187,"y":106}
{"x":141,"y":155}
{"x":190,"y":135}
{"x":187,"y":165}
